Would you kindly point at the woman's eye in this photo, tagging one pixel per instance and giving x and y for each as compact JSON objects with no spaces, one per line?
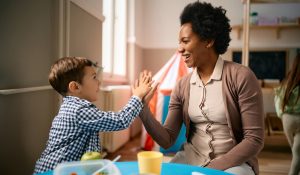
{"x":185,"y":41}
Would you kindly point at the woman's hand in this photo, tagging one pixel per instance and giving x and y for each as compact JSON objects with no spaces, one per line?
{"x":147,"y":75}
{"x":150,"y":94}
{"x":142,"y":86}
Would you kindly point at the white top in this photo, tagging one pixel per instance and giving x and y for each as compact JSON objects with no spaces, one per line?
{"x":212,"y":138}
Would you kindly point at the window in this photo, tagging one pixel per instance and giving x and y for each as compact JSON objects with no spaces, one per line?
{"x":114,"y":41}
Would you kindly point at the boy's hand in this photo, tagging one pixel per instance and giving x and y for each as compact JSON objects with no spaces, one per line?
{"x":143,"y":85}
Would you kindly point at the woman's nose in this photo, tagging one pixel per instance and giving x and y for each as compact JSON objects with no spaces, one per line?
{"x":180,"y":49}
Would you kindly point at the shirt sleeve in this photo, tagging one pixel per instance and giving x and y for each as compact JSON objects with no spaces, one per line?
{"x":277,"y":101}
{"x":165,"y":135}
{"x":92,"y":119}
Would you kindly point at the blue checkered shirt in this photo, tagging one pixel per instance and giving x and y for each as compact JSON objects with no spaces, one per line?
{"x":75,"y":130}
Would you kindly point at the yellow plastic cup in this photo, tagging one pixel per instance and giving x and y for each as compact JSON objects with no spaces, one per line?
{"x":150,"y":162}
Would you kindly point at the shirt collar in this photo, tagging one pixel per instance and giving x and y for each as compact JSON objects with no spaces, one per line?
{"x":195,"y":79}
{"x":76,"y":99}
{"x":216,"y":75}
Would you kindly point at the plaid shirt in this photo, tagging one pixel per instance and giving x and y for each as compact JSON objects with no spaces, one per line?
{"x":75,"y":130}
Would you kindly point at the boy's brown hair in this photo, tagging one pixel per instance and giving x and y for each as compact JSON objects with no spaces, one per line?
{"x":67,"y":69}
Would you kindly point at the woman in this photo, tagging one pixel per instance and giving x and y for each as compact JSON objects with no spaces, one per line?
{"x":220,"y":102}
{"x":287,"y":105}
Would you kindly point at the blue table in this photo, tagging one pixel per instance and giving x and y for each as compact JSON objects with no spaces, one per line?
{"x":130,"y":168}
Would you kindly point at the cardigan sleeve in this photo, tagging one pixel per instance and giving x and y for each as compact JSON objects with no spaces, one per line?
{"x":250,"y":106}
{"x":165,"y":135}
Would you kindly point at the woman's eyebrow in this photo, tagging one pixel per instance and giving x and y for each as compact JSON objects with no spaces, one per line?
{"x":184,"y":38}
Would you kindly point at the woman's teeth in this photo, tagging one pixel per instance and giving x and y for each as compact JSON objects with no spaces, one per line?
{"x":187,"y":57}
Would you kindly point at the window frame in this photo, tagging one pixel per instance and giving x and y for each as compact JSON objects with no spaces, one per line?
{"x":110,"y":77}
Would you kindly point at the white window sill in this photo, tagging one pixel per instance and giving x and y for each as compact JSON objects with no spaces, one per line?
{"x":109,"y":79}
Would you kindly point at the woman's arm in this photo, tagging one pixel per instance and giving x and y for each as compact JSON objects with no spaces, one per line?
{"x":165,"y":135}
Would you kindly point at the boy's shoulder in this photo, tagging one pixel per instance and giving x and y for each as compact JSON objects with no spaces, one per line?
{"x":75,"y":103}
{"x":72,"y":107}
{"x":73,"y":99}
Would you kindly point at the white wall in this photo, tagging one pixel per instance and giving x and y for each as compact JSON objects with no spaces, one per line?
{"x":85,"y":34}
{"x":158,"y":23}
{"x":94,"y":7}
{"x":139,"y":22}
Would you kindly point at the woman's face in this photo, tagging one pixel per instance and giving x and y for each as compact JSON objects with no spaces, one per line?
{"x":194,"y":51}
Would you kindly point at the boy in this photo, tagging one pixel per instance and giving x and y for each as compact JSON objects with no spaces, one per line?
{"x":75,"y":129}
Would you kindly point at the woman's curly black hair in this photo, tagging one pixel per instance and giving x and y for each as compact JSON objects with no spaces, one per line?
{"x":209,"y":23}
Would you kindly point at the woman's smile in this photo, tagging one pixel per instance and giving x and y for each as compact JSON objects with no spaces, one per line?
{"x":186,"y":57}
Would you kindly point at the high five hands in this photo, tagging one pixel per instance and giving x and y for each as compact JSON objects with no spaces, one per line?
{"x":145,"y":77}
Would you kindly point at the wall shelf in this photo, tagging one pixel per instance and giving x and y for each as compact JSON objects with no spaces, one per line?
{"x":274,"y":1}
{"x":247,"y":27}
{"x":276,"y":28}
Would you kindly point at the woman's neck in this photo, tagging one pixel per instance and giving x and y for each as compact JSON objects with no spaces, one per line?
{"x":205,"y":71}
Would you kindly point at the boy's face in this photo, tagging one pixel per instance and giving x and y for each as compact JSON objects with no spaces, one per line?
{"x":89,"y":87}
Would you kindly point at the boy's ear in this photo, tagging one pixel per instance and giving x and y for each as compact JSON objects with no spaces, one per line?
{"x":74,"y":86}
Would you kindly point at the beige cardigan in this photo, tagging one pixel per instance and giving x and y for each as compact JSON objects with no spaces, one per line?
{"x":243,"y":101}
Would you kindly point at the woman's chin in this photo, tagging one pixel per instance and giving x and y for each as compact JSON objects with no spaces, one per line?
{"x":189,"y":65}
